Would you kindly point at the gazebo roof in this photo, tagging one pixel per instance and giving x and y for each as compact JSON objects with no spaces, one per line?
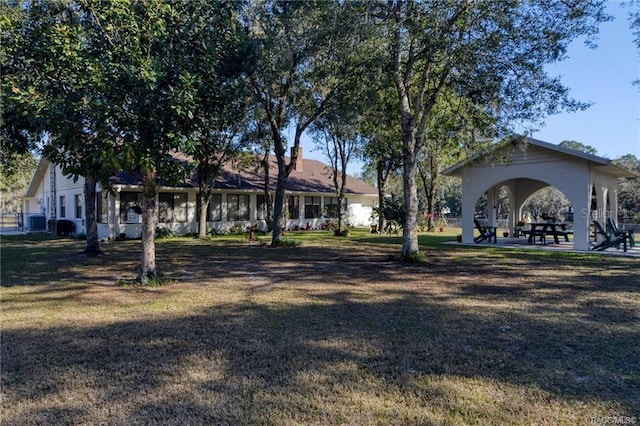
{"x":604,"y":165}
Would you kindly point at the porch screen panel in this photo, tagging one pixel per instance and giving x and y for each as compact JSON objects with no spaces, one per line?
{"x":102,"y":206}
{"x":165,"y":207}
{"x":130,"y":207}
{"x":180,"y":207}
{"x":293,"y":205}
{"x":243,"y":207}
{"x":312,"y":208}
{"x":63,"y":206}
{"x":232,"y":207}
{"x":237,"y":207}
{"x":172,"y":207}
{"x":78,"y":199}
{"x":262,"y":207}
{"x":331,"y":206}
{"x":215,"y":208}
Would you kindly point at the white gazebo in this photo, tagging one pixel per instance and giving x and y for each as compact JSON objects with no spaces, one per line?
{"x":522,"y":166}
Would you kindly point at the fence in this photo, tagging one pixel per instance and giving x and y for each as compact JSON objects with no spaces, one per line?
{"x":11,"y":222}
{"x":17,"y":222}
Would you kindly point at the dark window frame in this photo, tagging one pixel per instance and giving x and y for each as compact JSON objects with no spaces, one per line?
{"x":331,"y":206}
{"x":312,"y":207}
{"x":215,"y":202}
{"x":293,"y":206}
{"x":102,"y":207}
{"x":63,"y":206}
{"x":78,"y":205}
{"x":170,"y":210}
{"x":130,"y":210}
{"x":236,"y":214}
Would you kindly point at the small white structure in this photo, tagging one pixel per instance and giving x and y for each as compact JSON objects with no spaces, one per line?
{"x":525,"y":165}
{"x":237,"y":201}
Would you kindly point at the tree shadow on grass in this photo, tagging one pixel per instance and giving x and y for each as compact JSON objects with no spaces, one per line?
{"x":373,"y":340}
{"x":324,"y":360}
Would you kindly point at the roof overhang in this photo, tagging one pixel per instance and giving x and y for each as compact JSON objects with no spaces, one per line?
{"x":600,"y":164}
{"x":37,"y":177}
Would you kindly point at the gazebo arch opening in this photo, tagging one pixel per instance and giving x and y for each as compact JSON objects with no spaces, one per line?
{"x":507,"y":203}
{"x":547,"y":202}
{"x":495,"y":206}
{"x":525,"y":165}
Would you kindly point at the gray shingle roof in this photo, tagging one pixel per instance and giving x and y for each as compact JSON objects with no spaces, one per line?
{"x":315,"y":176}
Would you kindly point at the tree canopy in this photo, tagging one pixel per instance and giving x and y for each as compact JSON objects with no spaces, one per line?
{"x":133,"y":85}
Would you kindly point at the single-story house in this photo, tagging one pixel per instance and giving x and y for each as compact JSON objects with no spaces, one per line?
{"x":238,"y":201}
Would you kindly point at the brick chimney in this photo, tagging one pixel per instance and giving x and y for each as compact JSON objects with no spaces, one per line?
{"x":298,"y":166}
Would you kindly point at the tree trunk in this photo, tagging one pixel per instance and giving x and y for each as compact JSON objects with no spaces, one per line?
{"x":429,"y":185}
{"x":278,"y":210}
{"x":93,"y":242}
{"x":431,"y":198}
{"x":341,"y":194}
{"x":149,"y":215}
{"x":279,"y":221}
{"x":204,"y":208}
{"x":267,"y":191}
{"x":410,"y":246}
{"x":382,"y":192}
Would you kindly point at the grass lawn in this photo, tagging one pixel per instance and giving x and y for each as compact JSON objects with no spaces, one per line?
{"x":335,"y":331}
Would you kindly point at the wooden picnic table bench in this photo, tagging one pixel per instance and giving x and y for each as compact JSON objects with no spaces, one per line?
{"x":541,"y":230}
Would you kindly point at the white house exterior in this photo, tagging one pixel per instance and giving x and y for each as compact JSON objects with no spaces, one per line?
{"x":525,"y":165}
{"x":237,"y":201}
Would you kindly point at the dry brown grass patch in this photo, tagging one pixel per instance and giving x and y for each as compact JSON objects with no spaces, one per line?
{"x":327,"y":333}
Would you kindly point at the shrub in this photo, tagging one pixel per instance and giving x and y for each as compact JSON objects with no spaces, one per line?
{"x":236,"y":230}
{"x":65,"y":227}
{"x":289,"y":242}
{"x":164,"y":233}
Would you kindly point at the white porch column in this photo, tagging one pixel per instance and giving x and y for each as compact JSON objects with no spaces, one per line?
{"x":115,"y":213}
{"x":491,"y":206}
{"x":578,"y":191}
{"x":514,"y":212}
{"x":601,"y":200}
{"x":468,"y":209}
{"x":612,"y":189}
{"x":581,"y":220}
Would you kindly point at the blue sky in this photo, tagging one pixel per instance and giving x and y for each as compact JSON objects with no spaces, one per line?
{"x":603,"y":77}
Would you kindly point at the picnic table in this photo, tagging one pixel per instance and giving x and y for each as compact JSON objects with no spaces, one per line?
{"x":542,"y":229}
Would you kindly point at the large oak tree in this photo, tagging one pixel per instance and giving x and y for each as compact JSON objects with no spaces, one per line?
{"x":302,"y":60}
{"x":493,"y":53}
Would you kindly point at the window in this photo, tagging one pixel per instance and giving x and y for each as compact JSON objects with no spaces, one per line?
{"x":215,"y":208}
{"x":331,"y":206}
{"x":237,"y":207}
{"x":172,"y":207}
{"x":262,"y":207}
{"x":180,"y":207}
{"x":130,"y":207}
{"x":293,"y":206}
{"x":214,"y":212}
{"x":63,"y":206}
{"x":101,"y":207}
{"x":78,"y":203}
{"x":312,"y":207}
